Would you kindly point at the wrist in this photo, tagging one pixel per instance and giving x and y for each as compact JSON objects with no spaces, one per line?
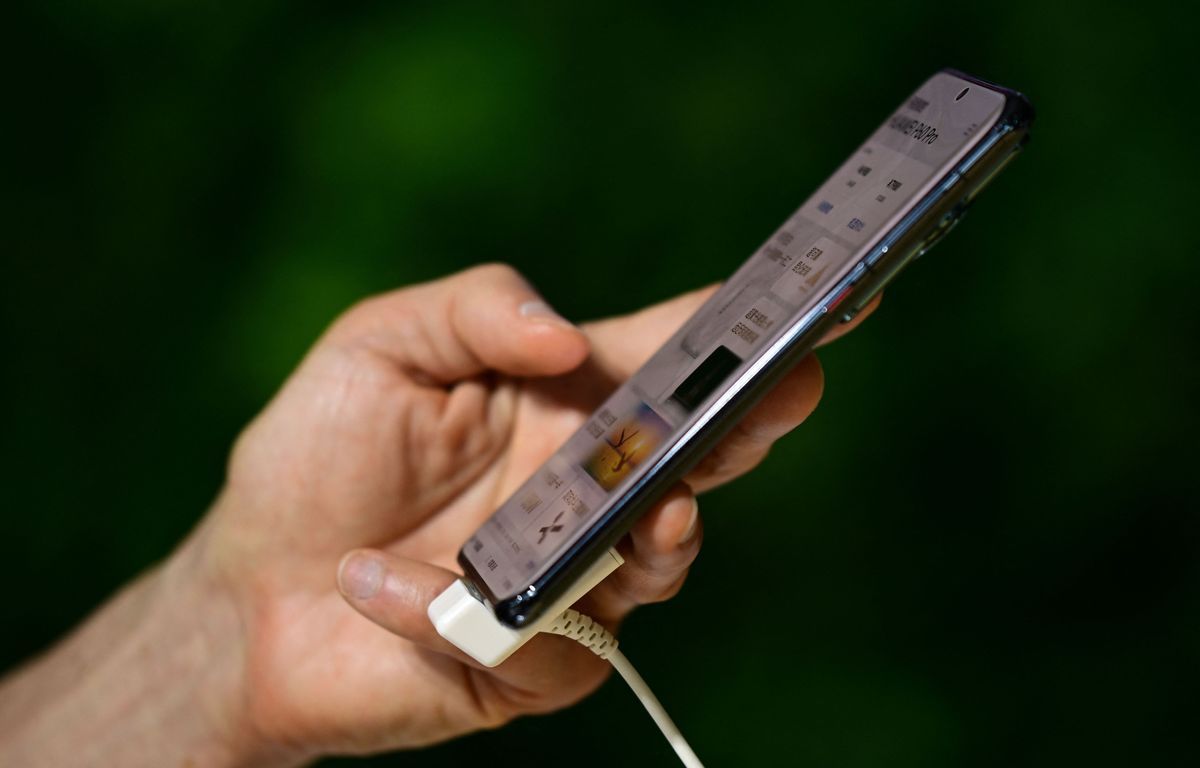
{"x":203,"y":634}
{"x":153,"y":678}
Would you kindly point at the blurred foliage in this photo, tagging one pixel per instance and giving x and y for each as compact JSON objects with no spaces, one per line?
{"x":981,"y":550}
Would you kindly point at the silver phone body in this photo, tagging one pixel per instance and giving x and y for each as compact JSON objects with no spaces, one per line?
{"x":896,"y":196}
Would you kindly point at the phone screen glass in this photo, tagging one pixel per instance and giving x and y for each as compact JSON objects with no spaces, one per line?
{"x":777,"y":287}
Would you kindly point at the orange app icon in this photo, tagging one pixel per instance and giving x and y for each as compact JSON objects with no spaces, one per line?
{"x":630,"y":442}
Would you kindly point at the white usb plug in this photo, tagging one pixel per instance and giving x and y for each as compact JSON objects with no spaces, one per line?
{"x":462,"y":618}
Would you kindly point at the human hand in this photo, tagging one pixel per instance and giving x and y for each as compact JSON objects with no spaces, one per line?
{"x":406,"y":425}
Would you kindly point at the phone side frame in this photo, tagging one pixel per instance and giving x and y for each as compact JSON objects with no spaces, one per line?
{"x":919,"y":230}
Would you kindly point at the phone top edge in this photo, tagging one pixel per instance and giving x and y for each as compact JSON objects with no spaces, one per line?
{"x":1015,"y":116}
{"x":1018,"y":109}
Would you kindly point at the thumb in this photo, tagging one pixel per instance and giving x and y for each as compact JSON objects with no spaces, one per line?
{"x":395,"y":593}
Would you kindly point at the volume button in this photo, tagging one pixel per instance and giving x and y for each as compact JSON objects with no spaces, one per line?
{"x":852,"y":312}
{"x":853,"y":279}
{"x":948,"y":223}
{"x":885,"y":271}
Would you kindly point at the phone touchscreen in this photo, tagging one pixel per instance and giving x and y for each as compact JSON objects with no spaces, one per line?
{"x":777,"y":287}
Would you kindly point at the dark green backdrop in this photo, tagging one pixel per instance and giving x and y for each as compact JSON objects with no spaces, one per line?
{"x":983,"y":549}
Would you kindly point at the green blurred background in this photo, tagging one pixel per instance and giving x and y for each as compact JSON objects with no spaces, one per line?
{"x":983,"y":549}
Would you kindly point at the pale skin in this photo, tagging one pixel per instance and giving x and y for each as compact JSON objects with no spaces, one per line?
{"x":291,"y":623}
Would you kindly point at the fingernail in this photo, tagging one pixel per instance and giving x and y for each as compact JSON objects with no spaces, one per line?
{"x":694,"y":518}
{"x":360,"y":576}
{"x":541,"y":312}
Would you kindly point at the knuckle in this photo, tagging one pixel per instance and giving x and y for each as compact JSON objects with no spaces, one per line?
{"x":389,"y":314}
{"x":816,"y":375}
{"x":731,"y":459}
{"x":661,"y":592}
{"x":367,"y":311}
{"x":674,"y":588}
{"x":651,"y":582}
{"x":494,"y":271}
{"x":357,"y":313}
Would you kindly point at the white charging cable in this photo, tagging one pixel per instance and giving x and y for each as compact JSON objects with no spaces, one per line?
{"x":588,"y":633}
{"x":461,"y":616}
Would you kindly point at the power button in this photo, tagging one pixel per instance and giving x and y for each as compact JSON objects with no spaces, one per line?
{"x":943,"y":228}
{"x":888,"y":265}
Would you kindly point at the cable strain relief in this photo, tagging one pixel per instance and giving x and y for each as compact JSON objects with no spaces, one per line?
{"x":584,"y":630}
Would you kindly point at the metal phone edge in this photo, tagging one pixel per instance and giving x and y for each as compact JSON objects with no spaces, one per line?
{"x":1015,"y":118}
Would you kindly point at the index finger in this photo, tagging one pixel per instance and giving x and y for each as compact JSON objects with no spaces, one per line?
{"x":485,"y":318}
{"x":620,"y":345}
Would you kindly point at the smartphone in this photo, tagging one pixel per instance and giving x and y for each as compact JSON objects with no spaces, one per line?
{"x":893,"y":199}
